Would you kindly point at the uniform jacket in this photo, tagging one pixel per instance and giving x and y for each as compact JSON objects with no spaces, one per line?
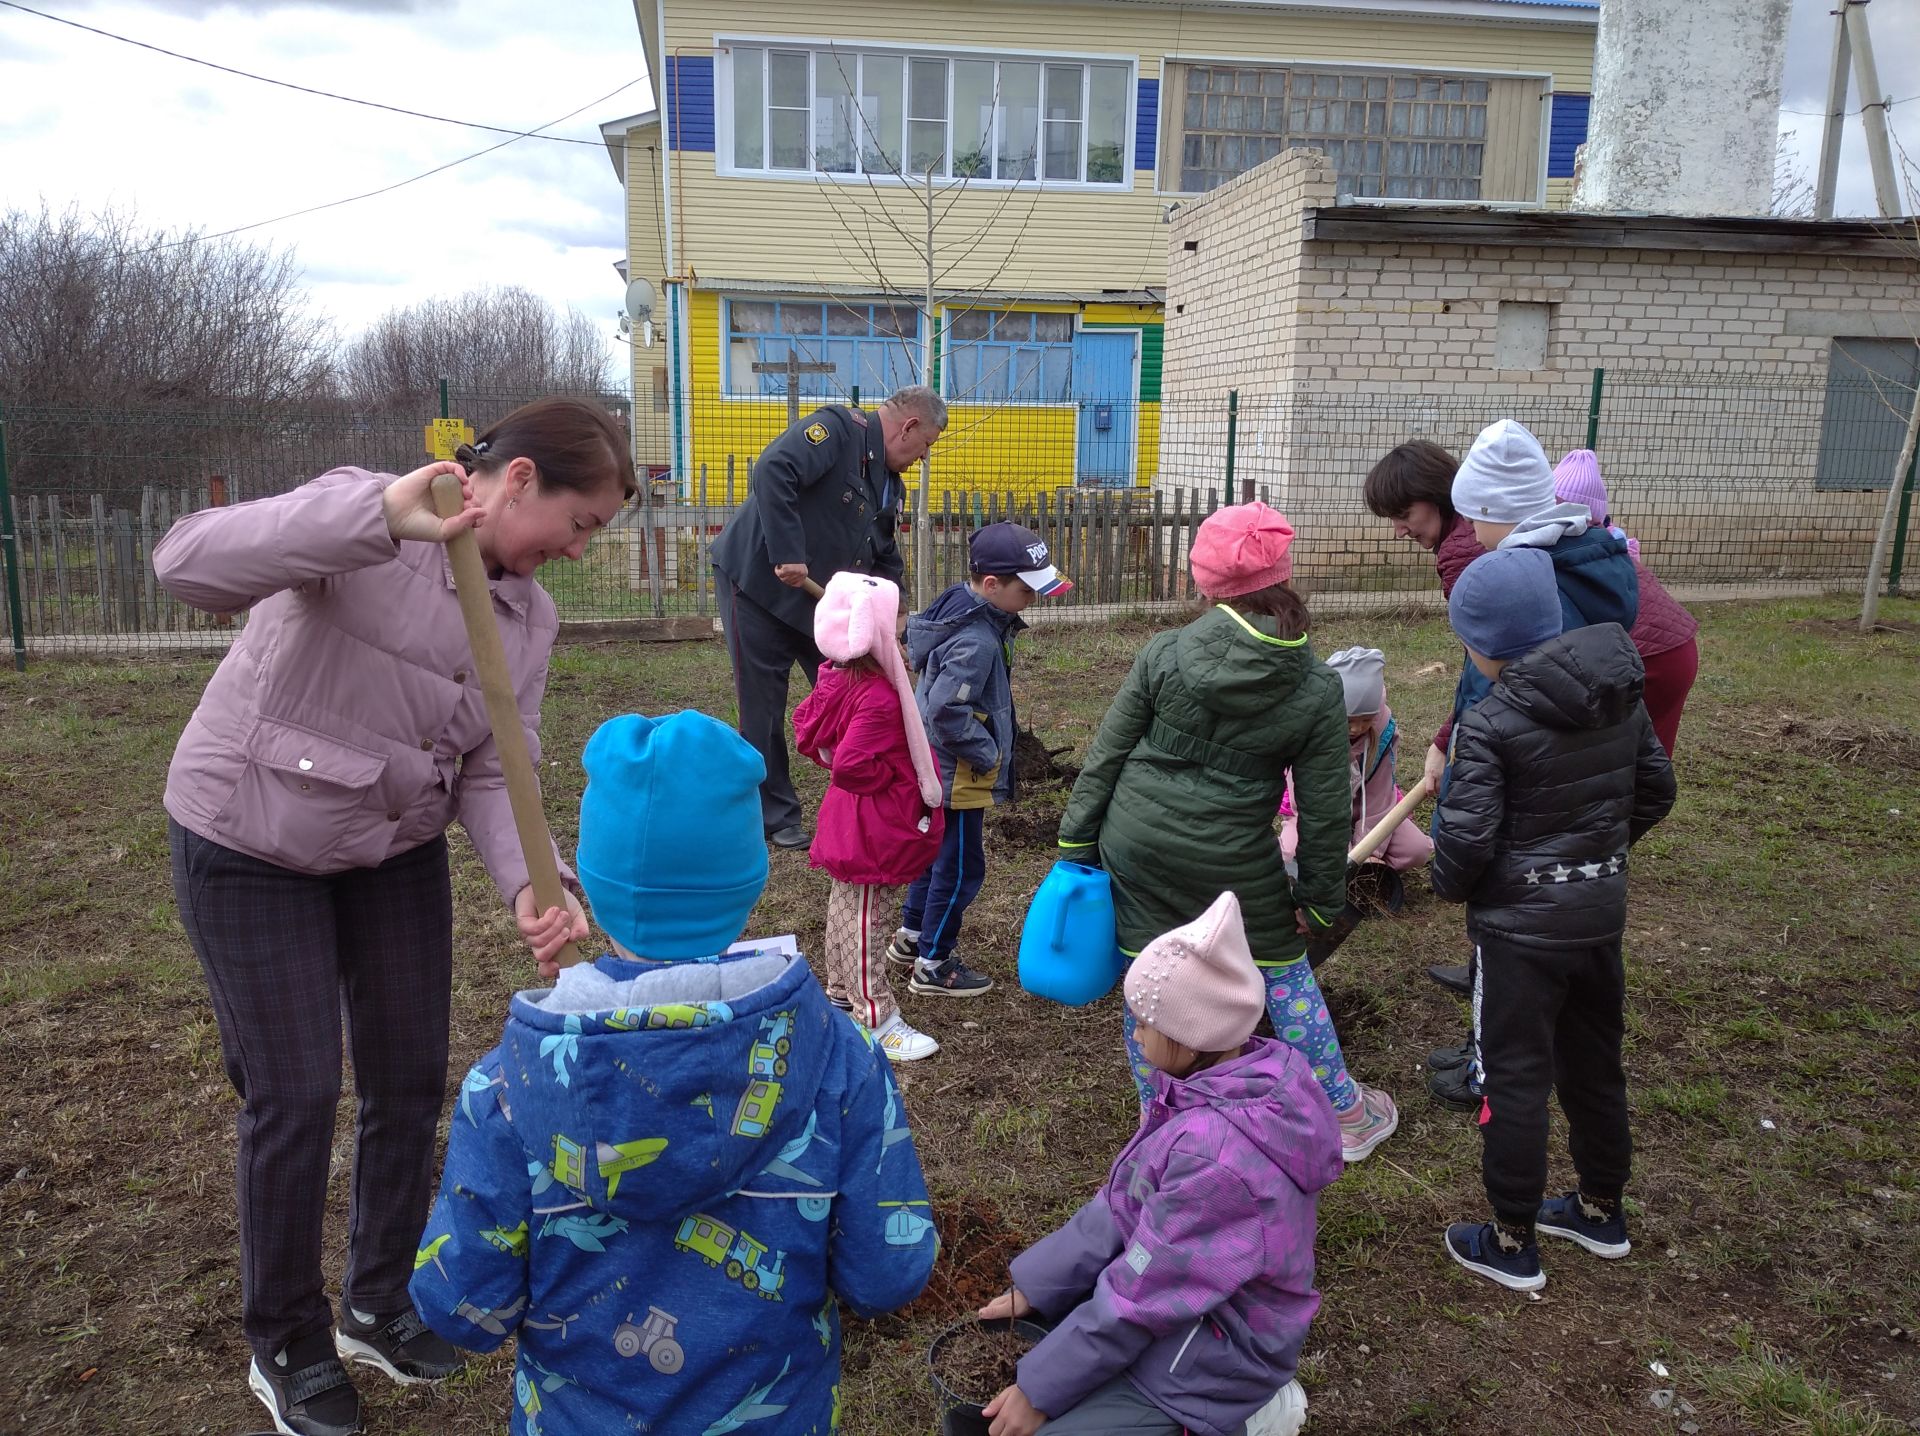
{"x":662,"y":1179}
{"x":962,"y":648}
{"x":1556,"y":773}
{"x":345,"y":724}
{"x":873,"y":827}
{"x":1192,"y":1269}
{"x":821,"y":495}
{"x":1182,"y":781}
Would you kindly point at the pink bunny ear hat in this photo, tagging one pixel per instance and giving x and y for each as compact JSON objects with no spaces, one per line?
{"x":855,"y":618}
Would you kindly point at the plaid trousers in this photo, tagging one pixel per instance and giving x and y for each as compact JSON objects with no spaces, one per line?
{"x":287,"y":956}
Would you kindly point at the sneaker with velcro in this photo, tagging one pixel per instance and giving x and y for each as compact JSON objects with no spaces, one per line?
{"x":306,"y":1390}
{"x":1477,"y":1247}
{"x":1567,"y":1217}
{"x":402,"y":1345}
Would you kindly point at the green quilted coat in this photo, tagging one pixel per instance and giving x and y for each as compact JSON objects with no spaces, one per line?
{"x":1184,"y":777}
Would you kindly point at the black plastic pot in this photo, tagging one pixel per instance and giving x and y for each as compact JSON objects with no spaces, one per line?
{"x":959,"y":1416}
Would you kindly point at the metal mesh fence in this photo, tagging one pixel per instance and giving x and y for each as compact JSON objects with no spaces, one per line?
{"x":1727,"y":481}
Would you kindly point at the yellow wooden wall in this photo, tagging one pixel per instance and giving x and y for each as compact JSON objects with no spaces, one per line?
{"x":798,"y":229}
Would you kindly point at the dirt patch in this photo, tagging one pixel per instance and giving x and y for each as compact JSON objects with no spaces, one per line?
{"x":976,"y":1249}
{"x":1850,"y":628}
{"x":979,"y":1361}
{"x":1875,"y":745}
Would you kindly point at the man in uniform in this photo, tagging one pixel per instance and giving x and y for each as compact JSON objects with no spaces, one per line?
{"x":823,"y":500}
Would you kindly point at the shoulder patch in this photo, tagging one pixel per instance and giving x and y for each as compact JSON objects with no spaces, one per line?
{"x":816,"y":433}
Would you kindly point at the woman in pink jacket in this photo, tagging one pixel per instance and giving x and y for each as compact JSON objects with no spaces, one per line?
{"x":308,"y":802}
{"x":881,"y":821}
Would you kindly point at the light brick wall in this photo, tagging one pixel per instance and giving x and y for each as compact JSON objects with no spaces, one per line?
{"x":1341,"y":350}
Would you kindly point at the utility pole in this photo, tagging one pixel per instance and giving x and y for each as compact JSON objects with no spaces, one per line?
{"x":1853,"y":42}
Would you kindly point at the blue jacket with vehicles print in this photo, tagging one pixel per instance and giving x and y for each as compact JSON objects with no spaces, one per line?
{"x":661,"y":1179}
{"x":962,"y":648}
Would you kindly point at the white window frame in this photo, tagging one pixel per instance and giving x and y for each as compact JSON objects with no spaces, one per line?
{"x":724,"y":45}
{"x":1164,"y":173}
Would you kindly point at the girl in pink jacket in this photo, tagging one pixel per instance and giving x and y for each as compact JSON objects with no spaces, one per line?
{"x":880,"y":823}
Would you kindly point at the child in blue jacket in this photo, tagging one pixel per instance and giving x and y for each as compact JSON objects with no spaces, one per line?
{"x":961,"y":645}
{"x":678,"y":1159}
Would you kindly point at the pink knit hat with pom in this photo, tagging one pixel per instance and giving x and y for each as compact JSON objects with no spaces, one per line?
{"x":1241,"y":549}
{"x":1197,"y":984}
{"x":855,"y":618}
{"x":1576,"y":480}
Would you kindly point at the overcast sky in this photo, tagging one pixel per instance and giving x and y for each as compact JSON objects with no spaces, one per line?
{"x":91,"y":121}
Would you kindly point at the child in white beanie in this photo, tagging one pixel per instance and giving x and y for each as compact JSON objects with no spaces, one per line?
{"x":1182,"y":1293}
{"x":1373,"y":745}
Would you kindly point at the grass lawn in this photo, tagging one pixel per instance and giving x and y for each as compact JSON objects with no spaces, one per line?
{"x":1773,"y":1050}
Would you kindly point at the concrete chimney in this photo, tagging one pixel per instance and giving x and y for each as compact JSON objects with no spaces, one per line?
{"x":1686,"y":96}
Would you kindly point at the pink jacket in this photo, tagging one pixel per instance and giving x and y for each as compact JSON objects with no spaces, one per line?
{"x":1370,"y":780}
{"x":869,"y":830}
{"x":346,"y":724}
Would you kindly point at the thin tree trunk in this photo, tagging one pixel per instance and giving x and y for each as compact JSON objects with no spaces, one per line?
{"x":922,"y":549}
{"x":1889,"y":516}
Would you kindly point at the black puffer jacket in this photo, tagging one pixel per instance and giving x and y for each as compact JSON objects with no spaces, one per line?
{"x":1555,"y":773}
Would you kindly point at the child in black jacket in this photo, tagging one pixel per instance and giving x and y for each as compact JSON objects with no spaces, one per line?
{"x":1556,"y":773}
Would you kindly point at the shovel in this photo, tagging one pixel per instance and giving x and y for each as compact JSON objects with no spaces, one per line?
{"x":1320,"y":948}
{"x":503,"y":712}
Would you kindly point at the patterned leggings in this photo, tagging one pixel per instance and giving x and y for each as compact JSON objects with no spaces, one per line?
{"x":1300,"y":1019}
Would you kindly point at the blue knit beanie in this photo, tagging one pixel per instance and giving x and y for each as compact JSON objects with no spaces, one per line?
{"x":1506,"y":603}
{"x":671,"y":851}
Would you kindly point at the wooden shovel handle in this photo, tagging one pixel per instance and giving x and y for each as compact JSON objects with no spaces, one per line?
{"x":813,"y":589}
{"x":503,"y":710}
{"x":1382,"y":830}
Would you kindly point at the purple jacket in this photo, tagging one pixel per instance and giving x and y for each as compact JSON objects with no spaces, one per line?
{"x":345,"y":724}
{"x":1192,"y":1269}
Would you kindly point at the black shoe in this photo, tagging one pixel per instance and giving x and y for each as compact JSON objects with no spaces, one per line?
{"x":1446,"y":1059}
{"x":1457,"y":1088}
{"x":1566,"y":1217}
{"x":402,"y":1345}
{"x":306,"y":1389}
{"x":903,"y":951}
{"x":1455,"y":979}
{"x":950,"y":978}
{"x":793,"y":835}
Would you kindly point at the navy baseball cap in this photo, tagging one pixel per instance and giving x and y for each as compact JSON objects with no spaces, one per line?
{"x":1010,"y":548}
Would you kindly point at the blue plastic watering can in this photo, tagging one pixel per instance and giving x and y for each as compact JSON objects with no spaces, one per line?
{"x":1068,"y":950}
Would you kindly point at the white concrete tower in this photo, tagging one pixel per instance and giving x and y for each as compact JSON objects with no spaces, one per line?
{"x":1686,"y":96}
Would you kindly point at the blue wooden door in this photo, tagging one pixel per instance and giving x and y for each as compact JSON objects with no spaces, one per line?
{"x":1104,"y":364}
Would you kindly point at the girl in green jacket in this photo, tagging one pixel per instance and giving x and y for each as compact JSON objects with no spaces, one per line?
{"x":1180,"y":787}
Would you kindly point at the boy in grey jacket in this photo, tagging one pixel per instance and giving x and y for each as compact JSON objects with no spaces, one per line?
{"x":961,"y":646}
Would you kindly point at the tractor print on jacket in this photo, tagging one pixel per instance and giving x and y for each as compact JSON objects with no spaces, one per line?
{"x":701,"y":1296}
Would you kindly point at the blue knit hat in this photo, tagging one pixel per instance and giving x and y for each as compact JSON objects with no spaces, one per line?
{"x":1506,"y":603}
{"x":671,"y":851}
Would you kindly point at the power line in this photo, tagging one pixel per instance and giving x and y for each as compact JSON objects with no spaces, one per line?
{"x":289,"y":85}
{"x":1804,"y":114}
{"x":384,"y":189}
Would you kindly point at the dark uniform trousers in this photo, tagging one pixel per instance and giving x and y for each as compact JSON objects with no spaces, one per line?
{"x":764,"y":650}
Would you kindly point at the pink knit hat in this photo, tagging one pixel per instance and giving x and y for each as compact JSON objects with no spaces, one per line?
{"x":1576,"y":480}
{"x":855,"y":618}
{"x":1197,"y":984}
{"x":1241,"y":549}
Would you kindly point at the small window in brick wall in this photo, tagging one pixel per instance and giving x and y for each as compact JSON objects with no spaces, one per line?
{"x":1520,"y":335}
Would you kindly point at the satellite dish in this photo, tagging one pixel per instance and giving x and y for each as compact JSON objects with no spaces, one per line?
{"x":639,"y":300}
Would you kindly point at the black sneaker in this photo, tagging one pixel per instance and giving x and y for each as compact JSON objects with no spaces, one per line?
{"x":1565,"y":1217}
{"x":903,"y":951}
{"x":1446,"y":1059}
{"x":402,"y":1345}
{"x":793,"y":835}
{"x":306,"y":1389}
{"x":1456,"y":1087}
{"x":951,"y":978}
{"x":1476,"y":1246}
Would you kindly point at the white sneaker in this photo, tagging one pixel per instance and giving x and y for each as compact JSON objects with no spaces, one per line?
{"x":1282,"y":1416}
{"x":902,"y":1043}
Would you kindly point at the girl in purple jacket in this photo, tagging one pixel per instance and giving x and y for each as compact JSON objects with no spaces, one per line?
{"x":1180,"y":1296}
{"x":308,"y":802}
{"x":881,"y":821}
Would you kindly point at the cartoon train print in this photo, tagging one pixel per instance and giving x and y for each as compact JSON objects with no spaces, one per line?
{"x":735,"y":1252}
{"x":653,"y":1339}
{"x":676,"y":1015}
{"x":768,"y":1057}
{"x":754,"y":1116}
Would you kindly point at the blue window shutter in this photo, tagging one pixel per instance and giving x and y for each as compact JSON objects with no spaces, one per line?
{"x":1568,"y":133}
{"x":690,"y":102}
{"x":1146,"y":125}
